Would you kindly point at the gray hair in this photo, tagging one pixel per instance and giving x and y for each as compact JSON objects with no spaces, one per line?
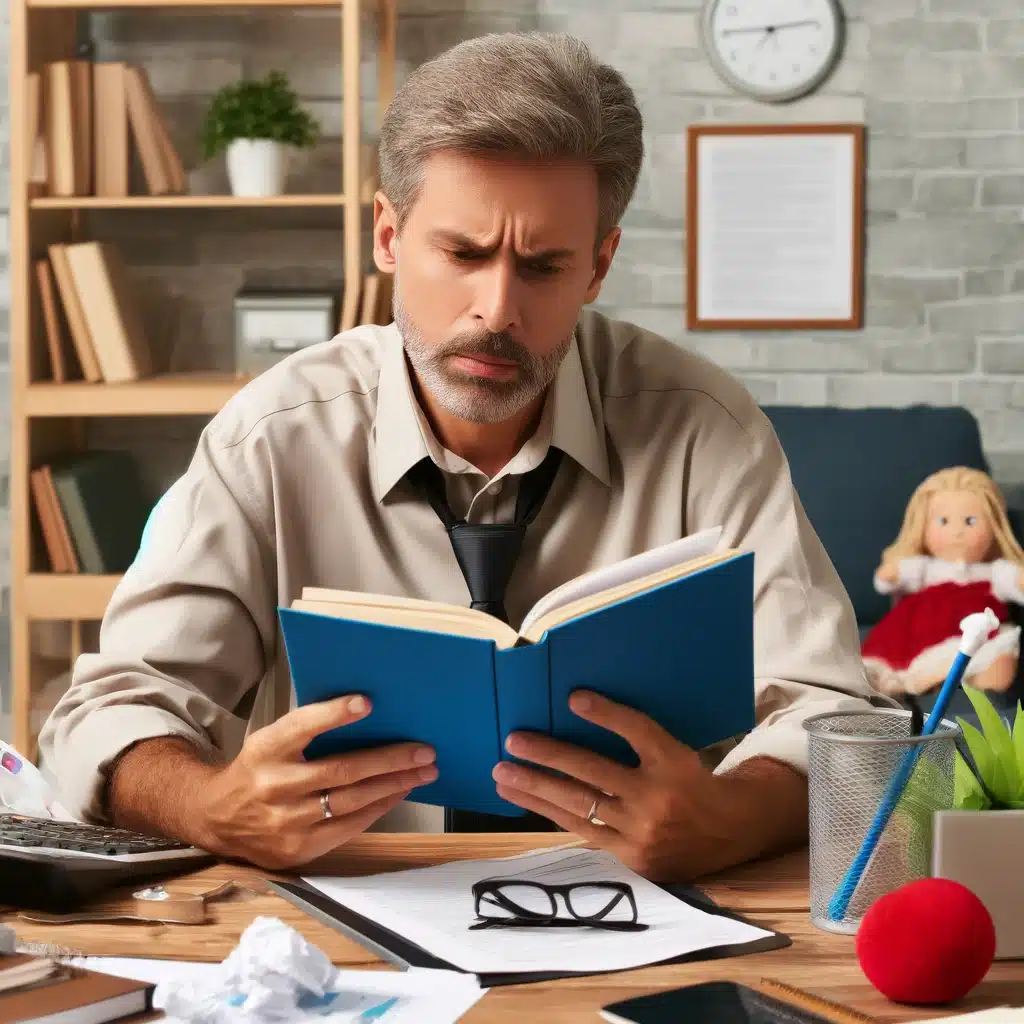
{"x":530,"y":94}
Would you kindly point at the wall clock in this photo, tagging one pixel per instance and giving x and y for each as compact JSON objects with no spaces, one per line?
{"x":773,"y":50}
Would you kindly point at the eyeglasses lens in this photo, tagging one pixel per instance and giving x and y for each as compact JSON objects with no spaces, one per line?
{"x":595,"y":902}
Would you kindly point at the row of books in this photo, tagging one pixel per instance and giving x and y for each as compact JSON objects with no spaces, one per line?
{"x":91,"y":315}
{"x":91,"y":509}
{"x":79,"y":144}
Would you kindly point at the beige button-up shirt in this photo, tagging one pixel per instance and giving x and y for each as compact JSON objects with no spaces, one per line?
{"x":299,"y":481}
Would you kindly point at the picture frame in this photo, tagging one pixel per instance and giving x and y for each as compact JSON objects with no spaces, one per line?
{"x":775,"y":227}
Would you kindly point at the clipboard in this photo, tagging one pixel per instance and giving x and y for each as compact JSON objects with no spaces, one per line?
{"x":401,"y":953}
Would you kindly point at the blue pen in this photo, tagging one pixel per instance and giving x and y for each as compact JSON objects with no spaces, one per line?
{"x":975,"y":630}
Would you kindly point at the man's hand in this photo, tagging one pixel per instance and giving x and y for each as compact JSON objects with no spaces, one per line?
{"x":669,"y":818}
{"x":264,"y":806}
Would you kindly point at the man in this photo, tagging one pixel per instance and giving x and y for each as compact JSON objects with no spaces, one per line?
{"x":506,"y":166}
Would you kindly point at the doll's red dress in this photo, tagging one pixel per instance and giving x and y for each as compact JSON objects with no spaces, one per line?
{"x":926,"y":618}
{"x":918,"y":638}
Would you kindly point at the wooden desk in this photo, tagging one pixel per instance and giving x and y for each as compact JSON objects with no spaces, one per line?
{"x":773,"y":893}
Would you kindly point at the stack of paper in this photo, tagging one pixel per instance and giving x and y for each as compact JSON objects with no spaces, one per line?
{"x":433,"y":907}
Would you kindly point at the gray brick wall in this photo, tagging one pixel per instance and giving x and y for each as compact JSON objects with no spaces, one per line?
{"x":940,"y":84}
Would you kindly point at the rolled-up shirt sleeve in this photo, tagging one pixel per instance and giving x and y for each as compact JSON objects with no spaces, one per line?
{"x":188,"y":633}
{"x":806,"y":643}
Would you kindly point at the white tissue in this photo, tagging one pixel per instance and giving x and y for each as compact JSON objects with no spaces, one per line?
{"x":273,"y":974}
{"x":23,"y":790}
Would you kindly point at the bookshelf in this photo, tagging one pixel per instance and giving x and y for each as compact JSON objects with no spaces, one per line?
{"x":48,"y":417}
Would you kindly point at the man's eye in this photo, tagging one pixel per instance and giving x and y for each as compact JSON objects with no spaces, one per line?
{"x":542,"y":269}
{"x":943,"y":520}
{"x":971,"y":520}
{"x":465,"y":255}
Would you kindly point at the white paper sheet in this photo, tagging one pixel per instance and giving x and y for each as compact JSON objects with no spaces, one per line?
{"x":420,"y":996}
{"x":433,"y":907}
{"x":643,"y":564}
{"x":775,"y":228}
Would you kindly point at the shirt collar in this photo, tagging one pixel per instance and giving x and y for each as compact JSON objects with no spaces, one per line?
{"x":403,"y":436}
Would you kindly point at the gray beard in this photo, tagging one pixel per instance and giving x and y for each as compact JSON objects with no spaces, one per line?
{"x":476,"y":399}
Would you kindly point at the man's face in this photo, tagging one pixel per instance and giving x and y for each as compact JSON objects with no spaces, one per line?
{"x":497,"y":257}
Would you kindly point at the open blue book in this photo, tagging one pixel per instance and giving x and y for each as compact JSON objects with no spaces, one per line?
{"x":668,"y":632}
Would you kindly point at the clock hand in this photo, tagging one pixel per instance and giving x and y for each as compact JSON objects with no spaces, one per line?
{"x":769,"y":29}
{"x":799,"y":24}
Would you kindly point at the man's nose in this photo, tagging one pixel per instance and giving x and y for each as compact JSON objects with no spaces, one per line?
{"x":497,"y":298}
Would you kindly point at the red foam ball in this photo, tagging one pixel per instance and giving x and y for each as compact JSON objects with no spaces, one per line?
{"x":927,"y":943}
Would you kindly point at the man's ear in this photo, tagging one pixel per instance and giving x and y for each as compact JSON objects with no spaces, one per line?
{"x":385,"y":234}
{"x":603,"y":263}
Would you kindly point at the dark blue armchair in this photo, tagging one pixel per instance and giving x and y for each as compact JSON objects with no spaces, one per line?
{"x":855,"y":470}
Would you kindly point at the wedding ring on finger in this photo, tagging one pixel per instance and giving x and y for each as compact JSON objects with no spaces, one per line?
{"x":325,"y":804}
{"x":592,"y":815}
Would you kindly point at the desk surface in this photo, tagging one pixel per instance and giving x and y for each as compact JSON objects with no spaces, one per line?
{"x":773,"y":893}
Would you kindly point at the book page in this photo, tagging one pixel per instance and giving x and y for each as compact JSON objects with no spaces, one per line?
{"x":479,"y":625}
{"x":433,"y":907}
{"x":644,"y":564}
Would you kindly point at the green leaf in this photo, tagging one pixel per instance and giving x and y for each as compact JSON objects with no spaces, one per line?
{"x":1000,"y":741}
{"x":984,"y":758}
{"x":967,"y":793}
{"x":1018,"y":742}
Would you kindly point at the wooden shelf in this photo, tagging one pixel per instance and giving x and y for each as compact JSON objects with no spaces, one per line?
{"x":180,"y":394}
{"x":68,"y":596}
{"x":184,"y":201}
{"x":49,"y":420}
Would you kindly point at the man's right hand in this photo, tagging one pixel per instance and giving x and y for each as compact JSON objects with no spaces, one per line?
{"x":264,"y":806}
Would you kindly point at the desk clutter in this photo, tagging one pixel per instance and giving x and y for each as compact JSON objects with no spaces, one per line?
{"x":273,"y":974}
{"x":458,"y":929}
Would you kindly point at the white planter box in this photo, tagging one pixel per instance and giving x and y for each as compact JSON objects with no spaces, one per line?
{"x":257,"y":167}
{"x":984,"y":850}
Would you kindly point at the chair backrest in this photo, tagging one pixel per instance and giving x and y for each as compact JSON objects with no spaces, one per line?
{"x":855,"y":470}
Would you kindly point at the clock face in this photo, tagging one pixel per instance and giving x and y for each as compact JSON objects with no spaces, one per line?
{"x":773,"y":49}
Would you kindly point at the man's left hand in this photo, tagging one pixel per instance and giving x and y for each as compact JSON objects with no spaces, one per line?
{"x":669,"y":818}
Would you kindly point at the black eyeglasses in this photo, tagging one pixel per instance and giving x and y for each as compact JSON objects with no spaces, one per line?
{"x":518,"y":903}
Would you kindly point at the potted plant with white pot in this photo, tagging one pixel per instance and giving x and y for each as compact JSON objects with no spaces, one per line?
{"x":980,"y":843}
{"x":257,"y":123}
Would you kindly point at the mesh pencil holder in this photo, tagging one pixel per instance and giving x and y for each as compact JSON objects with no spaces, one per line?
{"x":853,"y":756}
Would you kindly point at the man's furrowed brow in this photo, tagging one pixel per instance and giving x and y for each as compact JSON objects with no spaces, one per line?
{"x":457,"y":240}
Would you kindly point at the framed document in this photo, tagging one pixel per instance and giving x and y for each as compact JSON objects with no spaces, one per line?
{"x":775,"y":227}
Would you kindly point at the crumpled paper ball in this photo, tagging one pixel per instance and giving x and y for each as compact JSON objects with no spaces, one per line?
{"x":272,"y":974}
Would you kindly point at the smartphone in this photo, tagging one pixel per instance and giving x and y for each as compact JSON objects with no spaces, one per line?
{"x":712,"y":1002}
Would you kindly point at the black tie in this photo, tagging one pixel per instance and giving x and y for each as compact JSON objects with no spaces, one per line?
{"x":487,"y":552}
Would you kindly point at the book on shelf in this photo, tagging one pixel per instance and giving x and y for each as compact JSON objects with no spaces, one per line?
{"x":91,"y":316}
{"x":83,"y":118}
{"x":40,"y":990}
{"x":668,"y":632}
{"x":91,"y":509}
{"x":370,"y":303}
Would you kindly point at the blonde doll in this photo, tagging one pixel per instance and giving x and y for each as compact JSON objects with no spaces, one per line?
{"x":955,"y":555}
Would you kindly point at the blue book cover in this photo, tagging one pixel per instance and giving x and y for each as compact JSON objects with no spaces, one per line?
{"x":680,"y":651}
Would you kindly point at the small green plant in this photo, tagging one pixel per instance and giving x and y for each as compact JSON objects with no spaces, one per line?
{"x":997,"y":752}
{"x":257,"y":109}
